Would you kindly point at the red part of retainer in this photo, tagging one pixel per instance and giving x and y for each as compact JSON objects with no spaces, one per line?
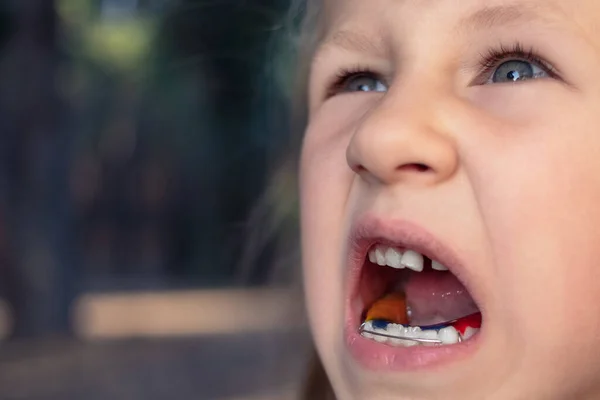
{"x":470,"y":321}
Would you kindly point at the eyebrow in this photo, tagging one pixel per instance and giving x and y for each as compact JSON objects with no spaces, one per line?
{"x":355,"y":41}
{"x":482,"y":19}
{"x":490,"y":17}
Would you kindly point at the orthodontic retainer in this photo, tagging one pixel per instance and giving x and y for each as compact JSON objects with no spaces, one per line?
{"x":460,"y":324}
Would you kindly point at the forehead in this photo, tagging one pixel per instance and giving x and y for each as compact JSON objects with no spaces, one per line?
{"x":462,"y":14}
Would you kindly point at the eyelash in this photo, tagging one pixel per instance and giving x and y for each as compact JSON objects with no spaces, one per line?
{"x":345,"y":74}
{"x":490,"y":60}
{"x":497,"y":56}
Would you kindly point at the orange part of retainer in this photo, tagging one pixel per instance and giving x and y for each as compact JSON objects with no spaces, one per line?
{"x":391,"y":308}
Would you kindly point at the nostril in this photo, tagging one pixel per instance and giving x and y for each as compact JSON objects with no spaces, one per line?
{"x":358,"y":168}
{"x":416,"y":167}
{"x":382,"y":175}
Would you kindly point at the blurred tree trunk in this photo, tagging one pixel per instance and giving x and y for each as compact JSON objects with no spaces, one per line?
{"x":231,"y":153}
{"x":34,"y":166}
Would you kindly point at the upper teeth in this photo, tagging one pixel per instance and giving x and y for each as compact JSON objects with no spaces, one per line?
{"x":438,"y":266}
{"x":392,"y":257}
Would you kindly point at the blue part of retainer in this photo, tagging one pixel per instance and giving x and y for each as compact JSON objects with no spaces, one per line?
{"x":379,"y":323}
{"x":436,"y":327}
{"x":382,"y":324}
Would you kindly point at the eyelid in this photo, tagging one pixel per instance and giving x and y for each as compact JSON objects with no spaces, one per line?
{"x":493,"y":58}
{"x":340,"y":79}
{"x":497,"y":56}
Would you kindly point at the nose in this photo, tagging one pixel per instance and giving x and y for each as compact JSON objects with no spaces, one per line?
{"x":400,"y":142}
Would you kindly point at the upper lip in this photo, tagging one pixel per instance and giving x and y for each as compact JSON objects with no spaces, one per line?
{"x":370,"y":229}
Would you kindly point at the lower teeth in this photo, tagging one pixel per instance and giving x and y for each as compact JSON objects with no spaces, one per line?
{"x":400,"y":335}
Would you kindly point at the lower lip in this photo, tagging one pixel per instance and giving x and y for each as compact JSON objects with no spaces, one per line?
{"x":382,"y":357}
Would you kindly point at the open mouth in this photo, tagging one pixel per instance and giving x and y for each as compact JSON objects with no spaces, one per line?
{"x":411,"y":302}
{"x":409,"y":299}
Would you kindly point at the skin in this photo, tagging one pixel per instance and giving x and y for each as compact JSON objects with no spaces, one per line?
{"x":512,"y":185}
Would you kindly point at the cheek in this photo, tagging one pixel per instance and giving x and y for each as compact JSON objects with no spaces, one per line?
{"x":325,"y":181}
{"x":540,"y":199}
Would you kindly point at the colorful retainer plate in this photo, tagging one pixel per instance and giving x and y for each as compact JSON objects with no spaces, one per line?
{"x":390,"y":308}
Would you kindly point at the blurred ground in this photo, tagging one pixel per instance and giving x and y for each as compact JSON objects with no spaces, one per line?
{"x":260,"y":366}
{"x":228,"y":344}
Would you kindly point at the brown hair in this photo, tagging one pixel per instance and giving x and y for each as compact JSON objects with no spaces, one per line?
{"x":303,"y":29}
{"x":316,"y":385}
{"x":275,"y":219}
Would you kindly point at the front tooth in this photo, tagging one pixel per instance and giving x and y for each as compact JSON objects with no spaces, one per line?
{"x":380,"y":255}
{"x":438,"y":266}
{"x":469,"y":332}
{"x":392,"y":257}
{"x":378,"y":338}
{"x":372,"y":256}
{"x":399,"y":330}
{"x":448,"y":335}
{"x":396,"y":330}
{"x":368,"y":327}
{"x":429,"y":334}
{"x":413,"y":260}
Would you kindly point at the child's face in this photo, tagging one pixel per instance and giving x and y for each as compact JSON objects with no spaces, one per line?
{"x":469,"y":131}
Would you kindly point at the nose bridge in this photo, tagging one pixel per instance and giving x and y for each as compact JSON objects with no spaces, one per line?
{"x":404,"y":139}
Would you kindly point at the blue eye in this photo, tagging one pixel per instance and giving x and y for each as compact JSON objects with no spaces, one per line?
{"x":514,"y":64}
{"x":364,"y":83}
{"x":350,"y":82}
{"x":516,"y":71}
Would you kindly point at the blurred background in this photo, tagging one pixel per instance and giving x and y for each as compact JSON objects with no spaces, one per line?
{"x":136,"y":138}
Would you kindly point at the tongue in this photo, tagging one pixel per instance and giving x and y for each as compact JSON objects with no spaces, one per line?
{"x":434,"y":297}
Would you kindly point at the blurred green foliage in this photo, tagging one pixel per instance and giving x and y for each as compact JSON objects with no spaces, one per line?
{"x":121,"y":44}
{"x":137,"y":138}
